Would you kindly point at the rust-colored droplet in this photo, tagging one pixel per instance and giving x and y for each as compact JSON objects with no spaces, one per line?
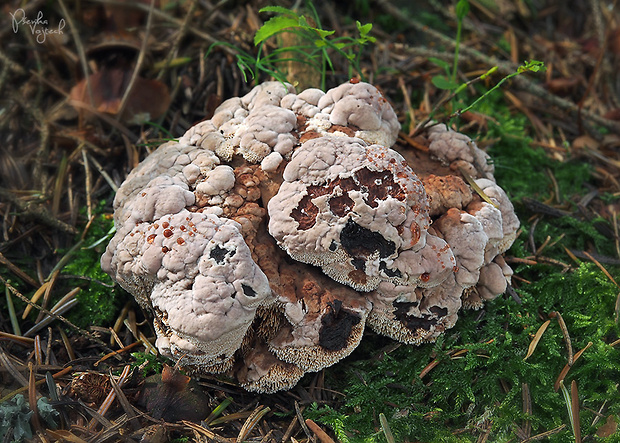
{"x":354,"y":80}
{"x":151,"y":238}
{"x":167,"y":233}
{"x":165,"y":249}
{"x":425,"y":277}
{"x":180,"y":241}
{"x":183,"y":228}
{"x":415,"y":233}
{"x":165,"y":225}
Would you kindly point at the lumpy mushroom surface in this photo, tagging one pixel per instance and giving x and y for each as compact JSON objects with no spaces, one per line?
{"x":267,"y":238}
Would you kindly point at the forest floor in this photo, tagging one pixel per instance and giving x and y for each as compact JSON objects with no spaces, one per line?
{"x":540,"y":362}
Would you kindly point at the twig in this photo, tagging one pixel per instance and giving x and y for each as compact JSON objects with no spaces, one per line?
{"x":320,"y":433}
{"x":136,"y":69}
{"x":527,"y":408}
{"x":37,"y":212}
{"x":103,"y":173}
{"x":11,"y":369}
{"x":161,"y":15}
{"x":80,"y":49}
{"x":56,"y":316}
{"x":302,"y":422}
{"x":63,"y":305}
{"x":177,"y":41}
{"x":567,"y":340}
{"x":107,"y":403}
{"x":545,"y":434}
{"x":17,"y":271}
{"x":88,"y":179}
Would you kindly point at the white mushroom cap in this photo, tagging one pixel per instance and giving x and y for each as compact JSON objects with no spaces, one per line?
{"x":217,"y":181}
{"x":467,"y":239}
{"x":252,"y":126}
{"x":196,"y":271}
{"x":361,"y":105}
{"x":459,"y":151}
{"x":509,"y":220}
{"x":349,"y":208}
{"x":305,"y":103}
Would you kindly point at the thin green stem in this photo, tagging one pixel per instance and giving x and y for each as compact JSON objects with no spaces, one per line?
{"x":459,"y":27}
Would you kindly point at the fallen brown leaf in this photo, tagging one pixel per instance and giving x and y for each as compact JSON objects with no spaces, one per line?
{"x":148,"y":100}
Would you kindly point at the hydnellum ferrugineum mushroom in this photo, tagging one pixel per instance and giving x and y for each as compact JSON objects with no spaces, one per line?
{"x":265,"y":239}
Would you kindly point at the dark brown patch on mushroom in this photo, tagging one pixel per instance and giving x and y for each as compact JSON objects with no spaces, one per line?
{"x":247,"y":290}
{"x":358,"y":264}
{"x":341,"y":205}
{"x":336,"y":327}
{"x":379,"y":185}
{"x":305,"y":213}
{"x":358,"y":241}
{"x":439,"y":312}
{"x":411,"y":322}
{"x":302,"y":122}
{"x":218,"y":254}
{"x":389,"y":272}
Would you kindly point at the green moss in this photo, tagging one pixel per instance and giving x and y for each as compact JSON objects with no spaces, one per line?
{"x":99,"y":298}
{"x":522,"y":168}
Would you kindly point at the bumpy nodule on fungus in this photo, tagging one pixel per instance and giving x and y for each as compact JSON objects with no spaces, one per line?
{"x":267,"y":238}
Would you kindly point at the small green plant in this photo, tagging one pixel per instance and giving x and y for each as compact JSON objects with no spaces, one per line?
{"x":448,"y":81}
{"x":15,"y":415}
{"x":147,"y":362}
{"x":315,"y":48}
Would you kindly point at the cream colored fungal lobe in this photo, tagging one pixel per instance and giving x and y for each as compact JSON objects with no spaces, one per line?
{"x":349,"y":208}
{"x":267,"y":238}
{"x":205,"y":285}
{"x":459,"y":151}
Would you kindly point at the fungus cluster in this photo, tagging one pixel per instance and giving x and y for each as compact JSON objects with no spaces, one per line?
{"x":267,"y":238}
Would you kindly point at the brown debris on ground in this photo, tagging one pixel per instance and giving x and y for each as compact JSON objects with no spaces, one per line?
{"x":64,"y":147}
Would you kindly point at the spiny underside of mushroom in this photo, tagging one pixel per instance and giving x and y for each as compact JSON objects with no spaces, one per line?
{"x":266,"y":239}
